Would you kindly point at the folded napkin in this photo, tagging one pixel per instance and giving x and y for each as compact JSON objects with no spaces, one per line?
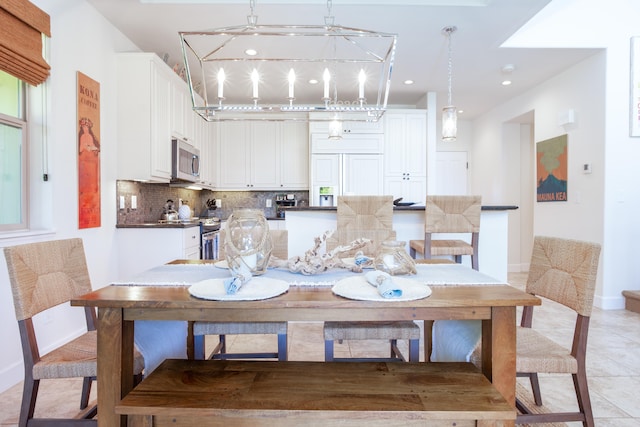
{"x":240,"y":275}
{"x":384,"y":283}
{"x":361,"y":259}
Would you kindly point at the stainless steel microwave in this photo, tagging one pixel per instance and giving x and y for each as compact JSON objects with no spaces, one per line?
{"x":185,"y":161}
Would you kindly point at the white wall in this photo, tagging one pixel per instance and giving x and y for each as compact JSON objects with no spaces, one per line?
{"x":82,"y":40}
{"x":602,"y":206}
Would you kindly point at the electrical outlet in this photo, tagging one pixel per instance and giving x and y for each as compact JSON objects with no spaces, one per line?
{"x":121,"y":202}
{"x":134,"y":202}
{"x":219,"y":203}
{"x":268,"y":203}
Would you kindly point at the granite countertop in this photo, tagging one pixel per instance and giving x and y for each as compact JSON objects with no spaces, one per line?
{"x":395,"y":208}
{"x":159,"y":225}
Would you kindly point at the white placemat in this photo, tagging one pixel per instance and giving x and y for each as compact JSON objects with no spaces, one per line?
{"x":257,"y":288}
{"x":358,"y":288}
{"x":222,"y":264}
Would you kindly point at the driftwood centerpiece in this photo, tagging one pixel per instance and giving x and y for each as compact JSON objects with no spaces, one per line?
{"x":316,"y":261}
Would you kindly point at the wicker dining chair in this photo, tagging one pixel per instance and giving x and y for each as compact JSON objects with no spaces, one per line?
{"x":44,"y":275}
{"x":563,"y":271}
{"x":370,"y":217}
{"x":450,"y":214}
{"x":280,"y":250}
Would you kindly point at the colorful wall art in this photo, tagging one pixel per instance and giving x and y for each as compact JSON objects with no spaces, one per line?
{"x":551,"y":170}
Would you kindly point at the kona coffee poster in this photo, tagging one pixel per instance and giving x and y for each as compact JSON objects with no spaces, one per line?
{"x":551,"y":161}
{"x":88,"y":126}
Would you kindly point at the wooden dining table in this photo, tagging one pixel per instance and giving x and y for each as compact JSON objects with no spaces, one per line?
{"x":119,"y":306}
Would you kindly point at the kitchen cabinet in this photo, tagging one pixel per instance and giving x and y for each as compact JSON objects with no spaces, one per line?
{"x":141,"y":249}
{"x":405,"y":152}
{"x":294,"y":163}
{"x":370,"y":143}
{"x":263,"y":155}
{"x":249,"y":155}
{"x":144,"y":110}
{"x":208,"y":155}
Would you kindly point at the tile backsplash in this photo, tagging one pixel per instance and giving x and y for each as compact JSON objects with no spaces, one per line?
{"x":151,"y":198}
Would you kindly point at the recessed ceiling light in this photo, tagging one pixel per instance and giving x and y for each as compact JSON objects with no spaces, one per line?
{"x":251,"y":52}
{"x":506,"y":82}
{"x":313,"y":81}
{"x":408,"y":82}
{"x":460,"y":111}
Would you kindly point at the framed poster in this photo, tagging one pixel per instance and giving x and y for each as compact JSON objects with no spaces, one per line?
{"x":551,"y":169}
{"x":88,"y":110}
{"x":634,"y":107}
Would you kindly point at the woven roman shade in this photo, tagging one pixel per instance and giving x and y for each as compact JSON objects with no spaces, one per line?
{"x":22,"y":25}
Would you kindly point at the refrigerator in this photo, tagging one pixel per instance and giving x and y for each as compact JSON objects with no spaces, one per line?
{"x":333,"y":175}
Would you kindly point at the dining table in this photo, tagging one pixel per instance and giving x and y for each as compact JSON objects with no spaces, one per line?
{"x":456,"y":292}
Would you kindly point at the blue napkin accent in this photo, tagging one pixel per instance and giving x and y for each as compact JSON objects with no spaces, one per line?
{"x":361,"y":259}
{"x":240,"y":276}
{"x":383,"y":282}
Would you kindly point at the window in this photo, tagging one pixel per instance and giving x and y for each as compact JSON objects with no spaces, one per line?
{"x":13,"y":154}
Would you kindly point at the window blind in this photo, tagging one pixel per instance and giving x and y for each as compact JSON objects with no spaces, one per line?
{"x":22,"y":25}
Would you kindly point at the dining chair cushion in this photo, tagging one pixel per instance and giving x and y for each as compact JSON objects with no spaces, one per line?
{"x":401,"y":330}
{"x":217,"y":328}
{"x":537,"y":353}
{"x":444,"y":247}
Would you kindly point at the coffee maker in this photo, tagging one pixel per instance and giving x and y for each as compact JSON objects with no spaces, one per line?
{"x":284,"y":200}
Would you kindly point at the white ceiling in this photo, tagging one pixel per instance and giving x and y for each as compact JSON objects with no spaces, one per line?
{"x":421,"y":55}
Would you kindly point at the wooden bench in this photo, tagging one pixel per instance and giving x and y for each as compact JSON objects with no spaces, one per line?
{"x":181,"y":393}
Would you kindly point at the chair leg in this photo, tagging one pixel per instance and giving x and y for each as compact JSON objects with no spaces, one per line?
{"x":535,"y":388}
{"x":223,"y":344}
{"x":474,"y":263}
{"x":86,"y":391}
{"x":458,"y":258}
{"x":414,"y":350}
{"x":198,"y":347}
{"x":282,"y":347}
{"x":328,"y":350}
{"x":29,"y":394}
{"x":394,"y":352}
{"x":584,"y":402}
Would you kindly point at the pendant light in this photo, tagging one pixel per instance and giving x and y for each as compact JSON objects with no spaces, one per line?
{"x":264,"y":72}
{"x":449,"y":113}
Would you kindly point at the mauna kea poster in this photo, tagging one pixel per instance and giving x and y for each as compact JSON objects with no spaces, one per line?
{"x":551,"y":159}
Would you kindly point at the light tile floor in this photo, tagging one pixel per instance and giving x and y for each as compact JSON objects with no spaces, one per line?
{"x":613,"y":362}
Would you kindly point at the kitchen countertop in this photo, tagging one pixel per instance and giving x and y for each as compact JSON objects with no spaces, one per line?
{"x":159,"y":225}
{"x":194,"y":223}
{"x":395,"y":208}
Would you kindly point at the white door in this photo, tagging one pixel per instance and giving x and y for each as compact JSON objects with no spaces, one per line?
{"x":451,"y":172}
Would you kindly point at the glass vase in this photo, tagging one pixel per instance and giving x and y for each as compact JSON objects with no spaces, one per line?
{"x":247,"y":241}
{"x":393,"y":259}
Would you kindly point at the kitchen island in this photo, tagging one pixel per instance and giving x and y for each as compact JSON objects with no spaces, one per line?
{"x":306,"y":223}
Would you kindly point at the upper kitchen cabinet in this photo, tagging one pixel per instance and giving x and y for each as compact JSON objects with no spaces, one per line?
{"x":263,"y":155}
{"x":208,"y":154}
{"x":294,"y":163}
{"x":405,"y":154}
{"x":144,"y":117}
{"x":357,"y":137}
{"x":185,"y":123}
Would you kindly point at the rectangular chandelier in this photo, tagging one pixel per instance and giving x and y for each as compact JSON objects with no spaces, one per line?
{"x":285,"y":72}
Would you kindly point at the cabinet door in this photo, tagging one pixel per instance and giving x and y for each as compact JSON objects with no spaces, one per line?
{"x":234,"y":149}
{"x":325,"y":170}
{"x":415,"y":138}
{"x":160,"y":144}
{"x":294,"y":164}
{"x":363,"y":174}
{"x":177,"y":108}
{"x":264,"y":156}
{"x":394,"y":145}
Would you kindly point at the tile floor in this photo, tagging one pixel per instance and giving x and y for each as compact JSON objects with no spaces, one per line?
{"x":613,"y":362}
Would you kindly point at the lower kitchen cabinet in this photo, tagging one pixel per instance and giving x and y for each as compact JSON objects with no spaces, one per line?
{"x":141,"y":249}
